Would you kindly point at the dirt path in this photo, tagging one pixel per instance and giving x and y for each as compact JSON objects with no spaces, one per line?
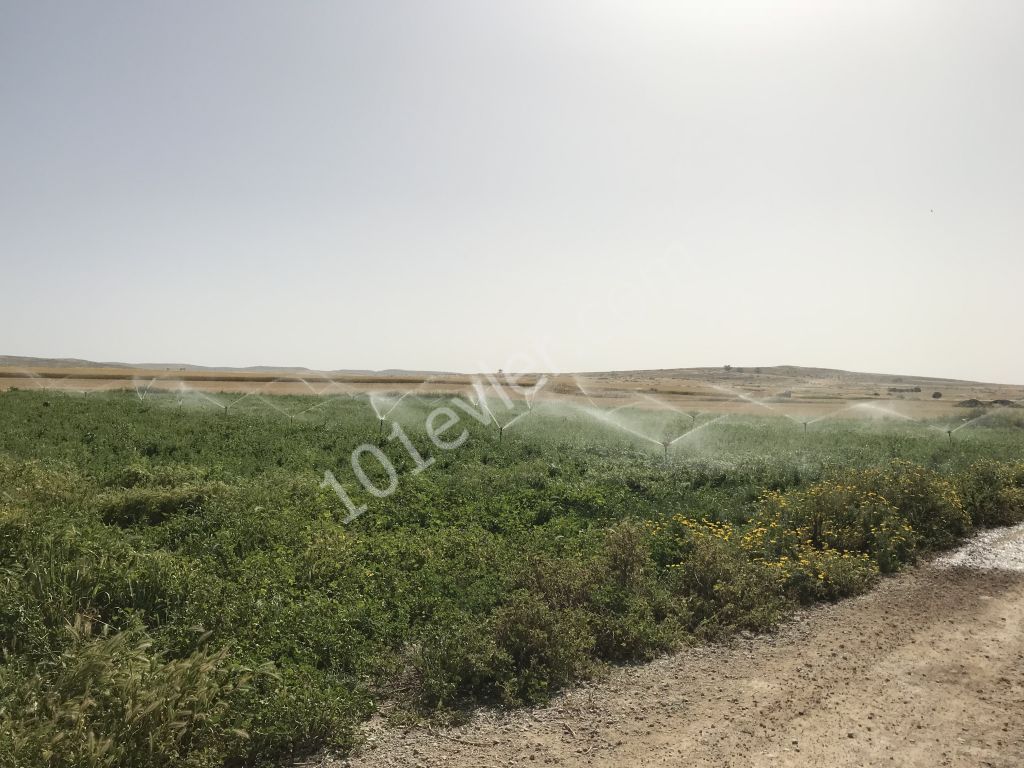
{"x":927,"y":670}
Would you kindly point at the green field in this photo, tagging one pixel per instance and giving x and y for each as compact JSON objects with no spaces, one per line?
{"x":180,"y":589}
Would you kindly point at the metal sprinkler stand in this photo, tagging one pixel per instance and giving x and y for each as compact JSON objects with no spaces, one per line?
{"x":501,"y":431}
{"x":381,"y":430}
{"x":805,"y":427}
{"x":949,"y":434}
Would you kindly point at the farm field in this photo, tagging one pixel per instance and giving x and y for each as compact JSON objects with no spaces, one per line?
{"x":217,"y":576}
{"x":802,"y":393}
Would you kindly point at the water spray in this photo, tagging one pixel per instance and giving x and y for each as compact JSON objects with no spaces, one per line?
{"x":754,"y":401}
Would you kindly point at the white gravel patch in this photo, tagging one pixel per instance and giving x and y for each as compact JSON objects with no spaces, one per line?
{"x":991,"y":550}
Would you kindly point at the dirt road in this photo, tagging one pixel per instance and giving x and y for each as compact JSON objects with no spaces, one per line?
{"x":927,"y":670}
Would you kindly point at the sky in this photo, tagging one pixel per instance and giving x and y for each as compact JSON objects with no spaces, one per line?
{"x":465,"y":186}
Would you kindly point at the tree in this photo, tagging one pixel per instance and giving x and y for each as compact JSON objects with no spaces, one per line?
{"x":936,"y":395}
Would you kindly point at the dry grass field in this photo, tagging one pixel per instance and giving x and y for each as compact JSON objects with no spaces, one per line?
{"x":798,"y":393}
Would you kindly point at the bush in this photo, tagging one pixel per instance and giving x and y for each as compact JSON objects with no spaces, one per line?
{"x":993,"y":492}
{"x":547,"y":648}
{"x":723,"y":587}
{"x":633,"y":613}
{"x":928,"y":500}
{"x":839,"y":515}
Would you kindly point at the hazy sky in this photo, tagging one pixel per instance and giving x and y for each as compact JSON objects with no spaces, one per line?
{"x":461,"y":185}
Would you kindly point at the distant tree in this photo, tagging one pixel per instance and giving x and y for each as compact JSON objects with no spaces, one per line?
{"x":726,"y":368}
{"x":936,"y":395}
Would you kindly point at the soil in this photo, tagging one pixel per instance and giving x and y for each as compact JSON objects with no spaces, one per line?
{"x":926,"y":670}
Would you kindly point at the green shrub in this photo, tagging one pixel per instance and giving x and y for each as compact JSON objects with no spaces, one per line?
{"x":547,"y":648}
{"x":928,"y":500}
{"x":993,"y":492}
{"x":723,"y":587}
{"x":634,"y":615}
{"x":458,"y":659}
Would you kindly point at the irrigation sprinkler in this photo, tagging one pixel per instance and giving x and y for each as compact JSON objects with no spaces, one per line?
{"x":805,"y":427}
{"x":501,"y":431}
{"x":949,"y":434}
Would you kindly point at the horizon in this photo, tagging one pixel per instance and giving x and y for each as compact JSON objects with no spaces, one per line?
{"x":41,"y":362}
{"x":589,"y":187}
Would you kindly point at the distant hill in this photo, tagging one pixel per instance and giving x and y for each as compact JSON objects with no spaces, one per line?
{"x":13,"y":361}
{"x":747,"y":374}
{"x":783,"y":372}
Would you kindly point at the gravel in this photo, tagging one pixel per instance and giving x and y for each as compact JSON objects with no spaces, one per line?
{"x":995,"y":549}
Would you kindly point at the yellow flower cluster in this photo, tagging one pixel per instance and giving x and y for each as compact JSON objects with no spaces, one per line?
{"x":844,"y":528}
